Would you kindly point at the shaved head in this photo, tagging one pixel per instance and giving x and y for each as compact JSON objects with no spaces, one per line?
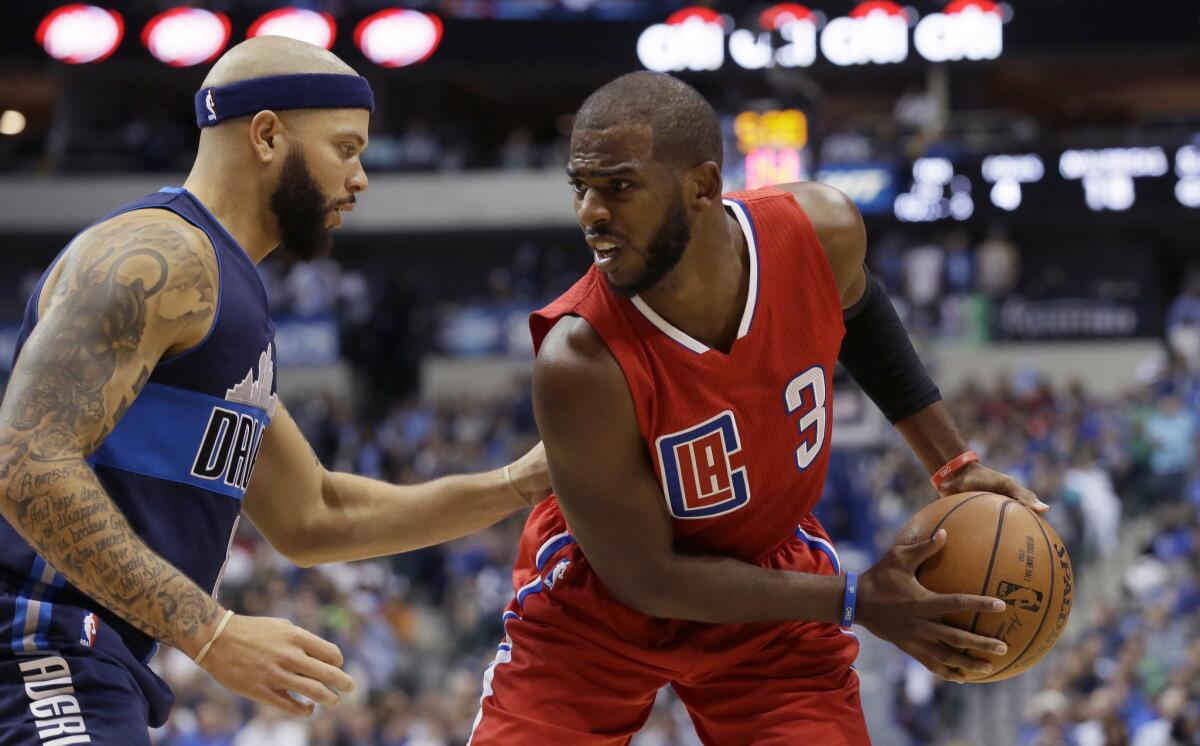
{"x":301,"y":164}
{"x":265,"y":56}
{"x":684,"y":128}
{"x":273,"y":55}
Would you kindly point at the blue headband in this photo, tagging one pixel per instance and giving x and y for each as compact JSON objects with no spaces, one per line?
{"x":280,"y":92}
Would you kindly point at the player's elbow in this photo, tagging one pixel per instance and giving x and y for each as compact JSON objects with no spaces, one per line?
{"x":303,"y":560}
{"x":314,"y":542}
{"x":301,"y":527}
{"x":635,"y":595}
{"x":295,"y":546}
{"x":309,"y":547}
{"x":297,"y":549}
{"x":648,"y":590}
{"x":654,"y":605}
{"x":300,"y":540}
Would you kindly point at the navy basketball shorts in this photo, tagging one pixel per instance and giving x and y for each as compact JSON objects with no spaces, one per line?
{"x":66,"y":679}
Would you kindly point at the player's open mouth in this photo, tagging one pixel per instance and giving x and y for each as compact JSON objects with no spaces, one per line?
{"x":604,"y":255}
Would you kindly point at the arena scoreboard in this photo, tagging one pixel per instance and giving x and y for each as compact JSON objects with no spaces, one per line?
{"x":766,"y":146}
{"x":957,"y":186}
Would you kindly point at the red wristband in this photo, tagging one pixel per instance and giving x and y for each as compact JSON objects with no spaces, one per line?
{"x":956,"y":463}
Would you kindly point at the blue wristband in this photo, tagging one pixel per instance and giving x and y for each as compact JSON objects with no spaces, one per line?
{"x":850,"y":600}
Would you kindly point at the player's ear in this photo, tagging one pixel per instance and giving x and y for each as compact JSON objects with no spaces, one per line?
{"x":265,"y":127}
{"x":702,"y":185}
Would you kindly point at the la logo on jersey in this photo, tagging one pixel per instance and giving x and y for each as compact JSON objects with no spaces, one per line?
{"x":231,"y":440}
{"x":702,"y":470}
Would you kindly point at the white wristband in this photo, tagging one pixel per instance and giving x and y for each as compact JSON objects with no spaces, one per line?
{"x":508,"y":478}
{"x":220,"y":628}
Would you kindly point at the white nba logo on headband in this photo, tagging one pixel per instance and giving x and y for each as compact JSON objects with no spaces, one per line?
{"x":282,"y":92}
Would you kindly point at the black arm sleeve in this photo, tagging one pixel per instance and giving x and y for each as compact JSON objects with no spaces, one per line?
{"x":878,"y":354}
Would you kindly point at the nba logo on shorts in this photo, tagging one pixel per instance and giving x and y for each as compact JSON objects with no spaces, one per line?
{"x":557,"y":573}
{"x":91,"y":626}
{"x":699,"y":475}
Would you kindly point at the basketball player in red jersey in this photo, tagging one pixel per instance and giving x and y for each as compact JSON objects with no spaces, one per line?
{"x":682,"y":389}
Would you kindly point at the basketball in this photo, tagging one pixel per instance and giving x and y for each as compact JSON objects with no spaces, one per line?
{"x":995,"y":546}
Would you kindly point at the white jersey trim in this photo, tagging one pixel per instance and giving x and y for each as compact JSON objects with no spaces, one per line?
{"x":682,"y":337}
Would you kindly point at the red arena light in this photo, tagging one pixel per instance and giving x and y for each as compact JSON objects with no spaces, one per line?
{"x":296,"y":23}
{"x":985,"y":6}
{"x":182,"y":37}
{"x":79,"y":33}
{"x":782,"y":13}
{"x":395,"y":38}
{"x":864,"y":9}
{"x":693,"y":12}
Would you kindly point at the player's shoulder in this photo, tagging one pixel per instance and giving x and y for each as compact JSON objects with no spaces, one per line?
{"x":148,"y":232}
{"x":828,"y":208}
{"x":835,"y":218}
{"x":577,"y":380}
{"x":168,"y":256}
{"x":153,"y":244}
{"x":574,"y":355}
{"x":571,"y":342}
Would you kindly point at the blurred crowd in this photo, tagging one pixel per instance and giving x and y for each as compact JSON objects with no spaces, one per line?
{"x":948,"y":285}
{"x":1133,"y":676}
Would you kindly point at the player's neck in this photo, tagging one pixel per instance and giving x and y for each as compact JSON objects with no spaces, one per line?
{"x":239,"y":208}
{"x":705,"y":295}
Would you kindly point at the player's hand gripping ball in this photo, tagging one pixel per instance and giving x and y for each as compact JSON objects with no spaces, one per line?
{"x":998,"y":547}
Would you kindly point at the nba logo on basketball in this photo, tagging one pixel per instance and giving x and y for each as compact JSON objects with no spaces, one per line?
{"x":700,"y":471}
{"x":91,"y":626}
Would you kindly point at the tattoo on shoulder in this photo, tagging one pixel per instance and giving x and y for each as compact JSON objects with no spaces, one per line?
{"x":124,"y":294}
{"x":123,"y":281}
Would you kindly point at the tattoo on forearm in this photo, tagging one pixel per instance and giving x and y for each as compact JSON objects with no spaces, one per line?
{"x":123,"y":295}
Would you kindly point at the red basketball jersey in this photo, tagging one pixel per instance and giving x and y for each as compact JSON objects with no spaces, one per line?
{"x":739,"y":441}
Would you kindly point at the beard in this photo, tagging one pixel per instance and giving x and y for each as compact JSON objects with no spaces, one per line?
{"x":664,"y":251}
{"x":301,"y":209}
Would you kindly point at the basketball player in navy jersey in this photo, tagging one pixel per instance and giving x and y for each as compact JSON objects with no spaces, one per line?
{"x":141,"y":421}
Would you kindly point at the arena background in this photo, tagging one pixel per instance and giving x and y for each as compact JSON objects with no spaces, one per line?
{"x":1030,"y":178}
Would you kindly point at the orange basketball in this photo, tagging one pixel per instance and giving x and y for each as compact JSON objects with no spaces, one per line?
{"x":995,"y":546}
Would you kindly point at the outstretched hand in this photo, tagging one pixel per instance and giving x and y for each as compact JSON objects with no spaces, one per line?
{"x":978,"y":478}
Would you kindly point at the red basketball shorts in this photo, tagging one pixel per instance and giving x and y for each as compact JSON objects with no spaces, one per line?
{"x":579,"y":668}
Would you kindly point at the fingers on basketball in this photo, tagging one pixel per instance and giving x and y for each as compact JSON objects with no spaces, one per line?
{"x":1003,"y":575}
{"x":919,"y":552}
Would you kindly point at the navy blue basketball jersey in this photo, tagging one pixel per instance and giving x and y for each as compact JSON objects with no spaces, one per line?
{"x":178,"y":462}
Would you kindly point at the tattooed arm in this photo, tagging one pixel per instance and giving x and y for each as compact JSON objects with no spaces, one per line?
{"x":126,"y":293}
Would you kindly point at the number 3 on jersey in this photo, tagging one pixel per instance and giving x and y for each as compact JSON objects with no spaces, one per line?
{"x":806,"y":394}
